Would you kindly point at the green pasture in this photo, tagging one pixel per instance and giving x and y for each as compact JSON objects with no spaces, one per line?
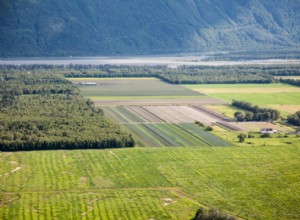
{"x":279,"y":140}
{"x":284,"y":98}
{"x":151,"y":183}
{"x":232,"y":86}
{"x":131,"y":87}
{"x":226,"y":110}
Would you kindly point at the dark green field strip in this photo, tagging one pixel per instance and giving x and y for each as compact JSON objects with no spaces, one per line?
{"x":209,"y":137}
{"x":183,"y":137}
{"x":115,"y":115}
{"x":144,"y":136}
{"x":132,"y":116}
{"x":160,"y":135}
{"x":174,"y":135}
{"x":124,"y":115}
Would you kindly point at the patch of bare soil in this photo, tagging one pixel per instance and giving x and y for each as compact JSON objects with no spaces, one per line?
{"x":168,"y":201}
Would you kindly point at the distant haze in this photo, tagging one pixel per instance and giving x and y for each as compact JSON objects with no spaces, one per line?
{"x":171,"y":61}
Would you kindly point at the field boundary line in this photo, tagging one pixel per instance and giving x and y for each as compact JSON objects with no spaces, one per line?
{"x":142,"y":107}
{"x":209,"y":144}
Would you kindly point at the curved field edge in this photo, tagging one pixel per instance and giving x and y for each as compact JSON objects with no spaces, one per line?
{"x":252,"y":182}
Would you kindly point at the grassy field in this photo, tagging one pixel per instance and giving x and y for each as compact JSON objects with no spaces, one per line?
{"x":131,"y":87}
{"x":150,"y":183}
{"x":226,"y":110}
{"x":283,"y":97}
{"x":238,"y":86}
{"x":279,"y":140}
{"x":263,"y":99}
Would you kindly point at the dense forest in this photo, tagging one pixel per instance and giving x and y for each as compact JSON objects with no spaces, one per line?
{"x":180,"y":75}
{"x":294,"y":119}
{"x":255,"y":113}
{"x":41,"y":111}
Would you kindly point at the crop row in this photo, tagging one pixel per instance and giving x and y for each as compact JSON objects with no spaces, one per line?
{"x":157,"y":135}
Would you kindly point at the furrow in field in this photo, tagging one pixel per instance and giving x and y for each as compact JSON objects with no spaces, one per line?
{"x":160,"y":135}
{"x":194,"y":115}
{"x":173,"y":135}
{"x":145,"y":136}
{"x":120,"y":118}
{"x":148,"y":116}
{"x":166,"y":113}
{"x":184,"y":137}
{"x":132,"y":117}
{"x":212,"y":113}
{"x":211,"y":138}
{"x":200,"y":139}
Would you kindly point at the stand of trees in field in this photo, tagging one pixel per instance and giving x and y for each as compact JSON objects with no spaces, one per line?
{"x":180,"y":75}
{"x":254,"y":112}
{"x":40,"y":111}
{"x":294,"y":119}
{"x":293,"y":82}
{"x":211,"y":214}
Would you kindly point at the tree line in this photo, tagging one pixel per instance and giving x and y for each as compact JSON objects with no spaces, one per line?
{"x":55,"y":116}
{"x":254,"y":112}
{"x":293,"y":82}
{"x":179,"y":75}
{"x":294,"y":119}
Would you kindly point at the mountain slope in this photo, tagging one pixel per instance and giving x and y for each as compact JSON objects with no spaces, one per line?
{"x":111,"y":27}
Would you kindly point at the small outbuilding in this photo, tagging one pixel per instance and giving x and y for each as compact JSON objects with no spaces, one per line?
{"x":268,"y":131}
{"x":87,"y":83}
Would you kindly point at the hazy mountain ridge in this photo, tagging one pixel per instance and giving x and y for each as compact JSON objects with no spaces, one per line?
{"x":111,"y":27}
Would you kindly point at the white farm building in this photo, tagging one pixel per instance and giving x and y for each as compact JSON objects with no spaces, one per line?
{"x":268,"y":130}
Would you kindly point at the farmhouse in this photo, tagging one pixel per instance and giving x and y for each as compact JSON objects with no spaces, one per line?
{"x":268,"y":130}
{"x":87,"y":83}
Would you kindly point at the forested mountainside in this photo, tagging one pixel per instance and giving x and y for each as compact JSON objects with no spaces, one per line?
{"x":118,"y":27}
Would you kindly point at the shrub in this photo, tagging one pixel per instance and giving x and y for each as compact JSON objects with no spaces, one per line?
{"x":212,"y":214}
{"x":241,"y":137}
{"x":265,"y":135}
{"x":209,"y":128}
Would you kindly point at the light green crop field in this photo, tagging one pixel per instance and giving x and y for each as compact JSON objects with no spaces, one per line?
{"x":279,"y":140}
{"x":230,"y":86}
{"x":150,"y":183}
{"x":283,"y":97}
{"x":290,"y":98}
{"x":226,"y":110}
{"x":131,"y":87}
